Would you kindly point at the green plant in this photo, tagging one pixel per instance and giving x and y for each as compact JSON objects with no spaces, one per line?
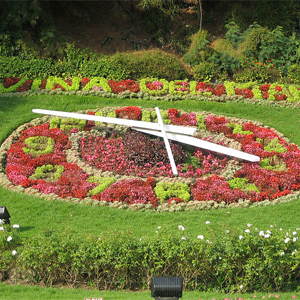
{"x":48,"y":172}
{"x":67,"y":124}
{"x":166,"y":190}
{"x":257,"y":71}
{"x":205,"y":71}
{"x":39,"y":145}
{"x":155,"y":64}
{"x":102,"y":184}
{"x":238,"y":128}
{"x":51,"y":81}
{"x":233,"y":34}
{"x":199,"y":50}
{"x":97,"y":81}
{"x":243,"y":184}
{"x":28,"y":67}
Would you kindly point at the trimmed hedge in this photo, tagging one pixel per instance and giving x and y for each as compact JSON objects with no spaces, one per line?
{"x":252,"y":260}
{"x":119,"y":66}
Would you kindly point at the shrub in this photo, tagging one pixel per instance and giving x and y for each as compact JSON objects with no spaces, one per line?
{"x":120,"y":260}
{"x":32,"y":68}
{"x":257,"y":71}
{"x":156,"y":64}
{"x":107,"y":68}
{"x":205,"y":71}
{"x":199,"y":50}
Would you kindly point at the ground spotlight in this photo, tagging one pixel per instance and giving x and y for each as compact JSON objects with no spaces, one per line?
{"x":4,"y":215}
{"x":166,"y":288}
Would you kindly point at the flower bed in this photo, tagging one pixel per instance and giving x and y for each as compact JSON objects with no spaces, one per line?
{"x":110,"y":164}
{"x":145,"y":88}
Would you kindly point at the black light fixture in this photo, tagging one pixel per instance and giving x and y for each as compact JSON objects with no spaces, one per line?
{"x":4,"y":215}
{"x":166,"y":288}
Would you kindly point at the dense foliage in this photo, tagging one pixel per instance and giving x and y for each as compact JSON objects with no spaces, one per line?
{"x":227,"y":262}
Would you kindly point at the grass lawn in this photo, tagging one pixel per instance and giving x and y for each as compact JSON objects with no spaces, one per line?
{"x":34,"y":214}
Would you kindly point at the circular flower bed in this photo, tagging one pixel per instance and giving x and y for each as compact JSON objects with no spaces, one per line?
{"x":108,"y":164}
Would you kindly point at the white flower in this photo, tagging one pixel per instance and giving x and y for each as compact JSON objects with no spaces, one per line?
{"x":159,"y":227}
{"x":267,"y":235}
{"x":249,"y":225}
{"x":271,"y":226}
{"x":9,"y":238}
{"x":183,"y":238}
{"x":240,"y":237}
{"x":261,"y":233}
{"x":16,"y":226}
{"x":207,"y":222}
{"x":227,"y":231}
{"x":1,"y":221}
{"x":295,"y":239}
{"x":294,"y":232}
{"x":1,"y":228}
{"x":280,"y":229}
{"x":156,"y":231}
{"x":282,"y":253}
{"x":180,"y":227}
{"x":287,"y":240}
{"x":14,"y":252}
{"x":140,"y":239}
{"x":268,"y":231}
{"x":247,"y":230}
{"x":209,"y":242}
{"x":241,"y":287}
{"x":200,"y":237}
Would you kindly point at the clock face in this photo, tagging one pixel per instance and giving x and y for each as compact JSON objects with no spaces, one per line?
{"x":107,"y":162}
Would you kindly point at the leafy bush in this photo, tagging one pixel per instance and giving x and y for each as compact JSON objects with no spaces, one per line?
{"x":107,"y":68}
{"x":156,"y":64}
{"x":257,"y":71}
{"x":205,"y":71}
{"x":199,"y":50}
{"x":32,"y":68}
{"x":227,"y":261}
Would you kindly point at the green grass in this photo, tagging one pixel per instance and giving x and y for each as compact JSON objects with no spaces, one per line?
{"x":34,"y":214}
{"x":17,"y":292}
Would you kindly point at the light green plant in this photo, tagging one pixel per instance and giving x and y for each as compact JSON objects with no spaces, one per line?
{"x":167,"y":190}
{"x":67,"y":124}
{"x":98,"y":81}
{"x":38,"y":145}
{"x":48,"y":172}
{"x":243,"y":184}
{"x":102,"y":184}
{"x":238,"y":128}
{"x":51,"y":80}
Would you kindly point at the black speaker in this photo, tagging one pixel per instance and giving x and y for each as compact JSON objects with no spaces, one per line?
{"x":166,"y":288}
{"x":4,"y":215}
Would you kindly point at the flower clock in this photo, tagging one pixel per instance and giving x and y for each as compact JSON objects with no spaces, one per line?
{"x":107,"y":164}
